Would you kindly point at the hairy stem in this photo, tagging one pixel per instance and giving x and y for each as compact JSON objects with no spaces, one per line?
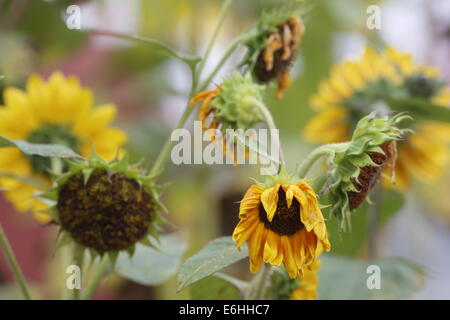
{"x":96,"y":278}
{"x":259,"y":283}
{"x":10,"y":257}
{"x":316,"y":154}
{"x":374,"y":221}
{"x":212,"y":41}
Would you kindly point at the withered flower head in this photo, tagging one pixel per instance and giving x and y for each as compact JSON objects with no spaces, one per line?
{"x":272,"y":47}
{"x":357,"y":166}
{"x":105,"y":207}
{"x":230,"y":106}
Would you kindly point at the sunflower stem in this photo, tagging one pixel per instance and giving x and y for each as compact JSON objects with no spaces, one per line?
{"x":316,"y":154}
{"x":212,"y":41}
{"x":374,"y":221}
{"x":222,"y":61}
{"x":79,"y":260}
{"x":10,"y":257}
{"x":259,"y":283}
{"x":96,"y":278}
{"x":271,"y":124}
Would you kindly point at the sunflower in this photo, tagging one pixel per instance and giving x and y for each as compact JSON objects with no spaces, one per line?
{"x":59,"y":111}
{"x":105,"y":206}
{"x":230,"y":106}
{"x":279,"y":54}
{"x":355,"y":88}
{"x":307,"y":286}
{"x":282,"y":223}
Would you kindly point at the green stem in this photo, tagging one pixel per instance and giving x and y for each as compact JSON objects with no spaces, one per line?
{"x":374,"y":221}
{"x":259,"y":283}
{"x":96,"y":278}
{"x":79,"y":260}
{"x":212,"y":41}
{"x":271,"y":124}
{"x":162,"y":158}
{"x":316,"y":154}
{"x":222,"y":61}
{"x":10,"y":257}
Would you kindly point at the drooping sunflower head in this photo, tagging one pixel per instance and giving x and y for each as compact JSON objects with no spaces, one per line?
{"x":356,"y":88}
{"x":356,"y":166}
{"x":57,"y":111}
{"x":105,"y":207}
{"x":230,"y":106}
{"x":284,"y":288}
{"x":273,"y":47}
{"x":282,"y":223}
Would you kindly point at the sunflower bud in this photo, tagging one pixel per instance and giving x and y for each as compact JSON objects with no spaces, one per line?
{"x":231,"y":106}
{"x":106,"y":207}
{"x":357,"y":167}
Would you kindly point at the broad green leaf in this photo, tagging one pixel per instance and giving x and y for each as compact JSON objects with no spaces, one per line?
{"x":214,"y":288}
{"x":346,"y":278}
{"x":28,"y":180}
{"x":215,"y":256}
{"x":421,"y":109}
{"x":43,"y":150}
{"x":152,"y":267}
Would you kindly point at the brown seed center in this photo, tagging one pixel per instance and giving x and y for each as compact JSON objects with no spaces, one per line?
{"x":109,"y":213}
{"x":286,"y":221}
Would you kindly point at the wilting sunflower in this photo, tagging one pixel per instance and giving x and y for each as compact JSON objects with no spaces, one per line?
{"x":230,"y":106}
{"x":272,"y":49}
{"x":356,"y":88}
{"x":105,"y":207}
{"x":283,"y":224}
{"x":57,"y":111}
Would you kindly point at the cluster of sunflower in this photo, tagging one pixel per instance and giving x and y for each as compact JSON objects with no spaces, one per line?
{"x":105,"y":205}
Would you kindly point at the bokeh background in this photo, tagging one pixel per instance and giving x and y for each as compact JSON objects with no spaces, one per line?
{"x":151,"y":92}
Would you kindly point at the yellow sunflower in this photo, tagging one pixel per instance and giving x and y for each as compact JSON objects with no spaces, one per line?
{"x":282,"y":224}
{"x":307,"y":289}
{"x":354,"y":88}
{"x":59,"y":111}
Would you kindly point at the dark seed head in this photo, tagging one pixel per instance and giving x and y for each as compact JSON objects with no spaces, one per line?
{"x":110,"y":213}
{"x":283,"y":57}
{"x":369,"y":176}
{"x":286,"y":221}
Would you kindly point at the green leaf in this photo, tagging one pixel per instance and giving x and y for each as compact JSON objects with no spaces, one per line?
{"x":153,"y":267}
{"x":43,"y":150}
{"x":346,"y":279}
{"x":215,"y":256}
{"x":214,"y":288}
{"x":421,"y":109}
{"x":27,"y":180}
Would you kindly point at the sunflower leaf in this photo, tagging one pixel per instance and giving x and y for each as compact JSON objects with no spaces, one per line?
{"x":43,"y":150}
{"x":421,"y":109}
{"x":153,"y":267}
{"x":214,"y":288}
{"x":399,"y":278}
{"x":215,"y":256}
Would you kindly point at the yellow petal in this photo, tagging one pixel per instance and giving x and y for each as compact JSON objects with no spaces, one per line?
{"x":269,"y":199}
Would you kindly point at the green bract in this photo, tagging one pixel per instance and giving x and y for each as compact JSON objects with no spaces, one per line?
{"x":235,"y":105}
{"x":347,"y":161}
